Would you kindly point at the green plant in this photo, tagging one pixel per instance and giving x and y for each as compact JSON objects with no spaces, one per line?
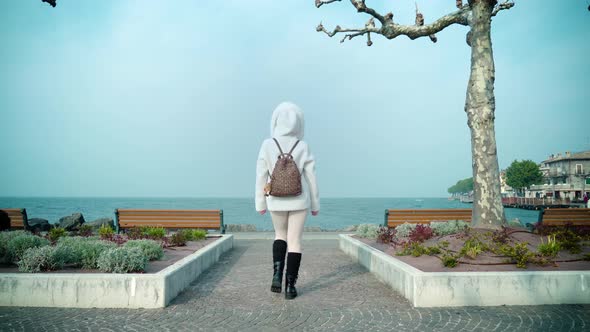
{"x":449,"y":261}
{"x":586,"y":257}
{"x":177,"y":240}
{"x":194,"y":234}
{"x":5,"y":237}
{"x":122,"y":260}
{"x":152,"y":249}
{"x":404,"y":229}
{"x":519,"y":253}
{"x":412,"y":248}
{"x":444,"y":244}
{"x":551,"y":248}
{"x":17,"y":245}
{"x":367,"y":231}
{"x":442,"y":228}
{"x":568,"y":240}
{"x":55,"y":233}
{"x":430,"y":251}
{"x":105,"y":231}
{"x":154,"y":232}
{"x":473,"y":247}
{"x":39,"y":259}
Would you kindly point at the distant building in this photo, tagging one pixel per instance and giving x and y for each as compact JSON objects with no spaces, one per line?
{"x":505,"y":189}
{"x":566,"y":176}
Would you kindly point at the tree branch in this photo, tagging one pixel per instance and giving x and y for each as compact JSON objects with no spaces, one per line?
{"x":50,"y":2}
{"x":502,"y":6}
{"x":391,"y":30}
{"x":319,"y":3}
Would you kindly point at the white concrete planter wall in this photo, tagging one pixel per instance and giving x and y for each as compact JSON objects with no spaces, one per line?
{"x":455,"y":289}
{"x":106,"y":290}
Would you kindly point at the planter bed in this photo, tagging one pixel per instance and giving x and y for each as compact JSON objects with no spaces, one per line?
{"x":163,"y":280}
{"x":444,"y":287}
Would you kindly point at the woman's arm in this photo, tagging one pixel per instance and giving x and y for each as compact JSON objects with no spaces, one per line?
{"x":261,"y":180}
{"x":310,"y":176}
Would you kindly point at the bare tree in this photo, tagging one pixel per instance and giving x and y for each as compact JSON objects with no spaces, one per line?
{"x":480,"y":105}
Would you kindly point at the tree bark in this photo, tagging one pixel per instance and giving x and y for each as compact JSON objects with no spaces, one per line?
{"x":480,"y":106}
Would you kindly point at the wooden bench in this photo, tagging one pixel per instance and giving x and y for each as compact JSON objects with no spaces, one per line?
{"x":398,"y":217}
{"x":205,"y":219}
{"x":18,"y":218}
{"x":562,"y":217}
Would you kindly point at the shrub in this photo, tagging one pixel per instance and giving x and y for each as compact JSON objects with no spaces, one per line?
{"x":473,"y":247}
{"x":385,"y":235}
{"x":5,"y":237}
{"x":17,"y":246}
{"x":154,"y":232}
{"x":105,"y":231}
{"x":152,"y":249}
{"x":404,"y":229}
{"x":194,"y":234}
{"x":442,"y":228}
{"x":135,"y":233}
{"x":122,"y":260}
{"x":177,"y":240}
{"x":84,"y":230}
{"x":39,"y":259}
{"x":421,"y":233}
{"x":449,"y":261}
{"x":55,"y":233}
{"x":117,"y":239}
{"x":568,"y":240}
{"x":501,"y":235}
{"x":519,"y":253}
{"x":431,"y":251}
{"x":91,"y":251}
{"x":549,"y":249}
{"x":367,"y":231}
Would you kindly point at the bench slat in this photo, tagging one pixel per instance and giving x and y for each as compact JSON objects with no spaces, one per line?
{"x":560,"y":217}
{"x":208,"y":219}
{"x":413,"y":216}
{"x":17,"y":217}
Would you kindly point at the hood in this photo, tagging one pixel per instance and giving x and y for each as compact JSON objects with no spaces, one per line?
{"x":287,"y":120}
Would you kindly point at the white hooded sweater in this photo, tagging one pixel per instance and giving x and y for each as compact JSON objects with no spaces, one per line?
{"x":287,"y":127}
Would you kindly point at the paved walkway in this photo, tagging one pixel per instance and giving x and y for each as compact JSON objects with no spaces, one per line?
{"x":335,"y":294}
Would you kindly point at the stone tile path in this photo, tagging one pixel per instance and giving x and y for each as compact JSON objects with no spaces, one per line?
{"x":335,"y":295}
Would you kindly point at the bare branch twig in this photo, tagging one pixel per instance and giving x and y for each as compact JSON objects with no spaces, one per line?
{"x":502,"y":6}
{"x":319,"y":3}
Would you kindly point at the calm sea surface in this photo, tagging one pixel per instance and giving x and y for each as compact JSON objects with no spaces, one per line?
{"x":335,"y":213}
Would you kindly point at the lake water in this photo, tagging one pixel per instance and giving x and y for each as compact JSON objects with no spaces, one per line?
{"x":335,"y":213}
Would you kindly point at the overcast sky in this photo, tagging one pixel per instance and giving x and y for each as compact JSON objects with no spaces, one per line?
{"x":173,"y":98}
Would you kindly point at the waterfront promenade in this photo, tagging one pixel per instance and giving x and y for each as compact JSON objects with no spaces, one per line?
{"x":336,"y":294}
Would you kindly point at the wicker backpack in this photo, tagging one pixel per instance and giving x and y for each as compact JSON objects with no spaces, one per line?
{"x":285,"y":180}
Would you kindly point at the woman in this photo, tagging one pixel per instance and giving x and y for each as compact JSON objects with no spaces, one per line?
{"x":288,"y":213}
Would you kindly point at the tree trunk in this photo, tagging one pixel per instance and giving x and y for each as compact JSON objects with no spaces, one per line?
{"x":488,"y":211}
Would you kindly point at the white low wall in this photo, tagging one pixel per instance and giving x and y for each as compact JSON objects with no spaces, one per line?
{"x":106,"y":290}
{"x":455,"y":289}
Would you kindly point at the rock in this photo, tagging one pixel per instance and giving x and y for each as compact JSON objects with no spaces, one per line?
{"x":240,"y":228}
{"x":96,"y":224}
{"x":72,"y":222}
{"x":312,"y":229}
{"x":37,"y":225}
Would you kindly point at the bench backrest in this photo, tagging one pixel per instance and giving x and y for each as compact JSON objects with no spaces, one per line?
{"x":558,"y":217}
{"x":206,"y":219}
{"x":18,"y":217}
{"x":397,"y":217}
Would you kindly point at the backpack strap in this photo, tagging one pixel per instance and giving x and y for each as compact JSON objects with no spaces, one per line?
{"x":274,"y":139}
{"x":293,"y":148}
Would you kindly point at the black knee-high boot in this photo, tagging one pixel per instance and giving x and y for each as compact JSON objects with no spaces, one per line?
{"x":279,"y":250}
{"x":293,"y":262}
